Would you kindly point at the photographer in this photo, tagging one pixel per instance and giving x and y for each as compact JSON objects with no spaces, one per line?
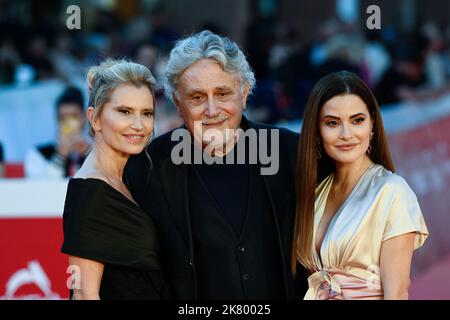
{"x":65,"y":157}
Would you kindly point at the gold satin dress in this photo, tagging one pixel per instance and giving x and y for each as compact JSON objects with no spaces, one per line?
{"x":380,"y":206}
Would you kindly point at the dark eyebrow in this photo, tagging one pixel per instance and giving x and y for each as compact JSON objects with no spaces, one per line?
{"x":358,"y":115}
{"x":130,"y":108}
{"x":337,"y":118}
{"x":330,"y":116}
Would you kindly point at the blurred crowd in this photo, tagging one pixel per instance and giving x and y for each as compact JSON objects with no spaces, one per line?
{"x":398,"y":65}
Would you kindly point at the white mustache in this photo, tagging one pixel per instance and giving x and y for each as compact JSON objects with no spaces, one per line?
{"x":215,"y":120}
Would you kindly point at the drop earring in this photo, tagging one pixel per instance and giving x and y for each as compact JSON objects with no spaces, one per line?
{"x":369,"y":149}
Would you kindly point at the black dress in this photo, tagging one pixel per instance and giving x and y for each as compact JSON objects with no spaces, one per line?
{"x":101,"y":224}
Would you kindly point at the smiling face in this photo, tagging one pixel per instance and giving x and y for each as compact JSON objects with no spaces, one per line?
{"x":125,"y":122}
{"x":208,"y":96}
{"x":345,"y":128}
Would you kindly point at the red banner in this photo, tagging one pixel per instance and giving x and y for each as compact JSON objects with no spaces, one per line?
{"x":32,"y":266}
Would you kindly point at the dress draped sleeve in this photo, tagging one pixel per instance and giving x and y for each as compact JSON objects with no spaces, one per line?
{"x":405,"y":215}
{"x":101,"y":224}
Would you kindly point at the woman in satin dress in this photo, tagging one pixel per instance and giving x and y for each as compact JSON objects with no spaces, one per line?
{"x":357,"y":222}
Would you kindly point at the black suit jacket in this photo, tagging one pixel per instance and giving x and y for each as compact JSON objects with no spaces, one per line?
{"x":161,"y":188}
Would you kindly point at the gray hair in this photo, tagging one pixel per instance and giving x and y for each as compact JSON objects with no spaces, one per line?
{"x":107,"y":76}
{"x":206,"y":45}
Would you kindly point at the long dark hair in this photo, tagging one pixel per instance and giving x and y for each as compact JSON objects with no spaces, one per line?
{"x":311,"y":170}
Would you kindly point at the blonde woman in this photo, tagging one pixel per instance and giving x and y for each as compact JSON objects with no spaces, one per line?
{"x":111,"y":242}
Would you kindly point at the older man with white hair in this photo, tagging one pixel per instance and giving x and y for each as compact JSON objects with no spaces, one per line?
{"x":225,"y":225}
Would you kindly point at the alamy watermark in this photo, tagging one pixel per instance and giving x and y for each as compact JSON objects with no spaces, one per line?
{"x":74,"y":281}
{"x":374,"y":20}
{"x":373,"y":282}
{"x":74,"y":20}
{"x":232,"y":145}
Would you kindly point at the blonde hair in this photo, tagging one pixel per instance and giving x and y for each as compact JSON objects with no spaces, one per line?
{"x":111,"y":73}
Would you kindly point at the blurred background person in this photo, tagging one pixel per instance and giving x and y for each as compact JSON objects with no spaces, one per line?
{"x":9,"y":61}
{"x":407,"y":73}
{"x":66,"y":57}
{"x":65,"y":156}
